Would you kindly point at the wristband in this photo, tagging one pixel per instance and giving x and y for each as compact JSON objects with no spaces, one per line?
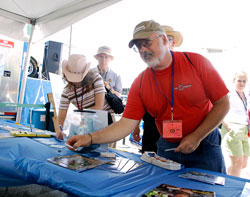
{"x":90,"y":138}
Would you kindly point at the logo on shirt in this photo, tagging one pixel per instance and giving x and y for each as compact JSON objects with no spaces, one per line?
{"x":182,"y":87}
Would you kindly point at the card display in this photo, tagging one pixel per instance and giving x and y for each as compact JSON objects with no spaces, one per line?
{"x":203,"y":177}
{"x":122,"y":165}
{"x":153,"y":158}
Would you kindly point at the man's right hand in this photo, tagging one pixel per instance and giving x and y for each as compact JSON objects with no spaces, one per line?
{"x":77,"y":141}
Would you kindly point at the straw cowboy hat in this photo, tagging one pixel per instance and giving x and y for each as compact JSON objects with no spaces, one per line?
{"x":75,"y":68}
{"x":106,"y":50}
{"x":177,"y":35}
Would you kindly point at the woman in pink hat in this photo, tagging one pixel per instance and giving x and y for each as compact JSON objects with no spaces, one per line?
{"x":85,"y":88}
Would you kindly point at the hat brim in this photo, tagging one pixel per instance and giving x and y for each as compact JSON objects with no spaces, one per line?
{"x":112,"y":57}
{"x":177,"y":36}
{"x":73,"y":77}
{"x":139,"y":36}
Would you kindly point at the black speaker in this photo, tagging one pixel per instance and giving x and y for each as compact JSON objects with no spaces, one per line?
{"x":51,"y":58}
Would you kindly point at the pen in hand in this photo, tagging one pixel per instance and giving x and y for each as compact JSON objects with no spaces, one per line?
{"x":71,"y":147}
{"x":169,"y":149}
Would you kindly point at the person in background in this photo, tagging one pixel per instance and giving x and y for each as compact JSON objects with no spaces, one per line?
{"x":111,"y":79}
{"x":150,"y":132}
{"x":235,"y":126}
{"x":186,"y":102}
{"x":85,"y":88}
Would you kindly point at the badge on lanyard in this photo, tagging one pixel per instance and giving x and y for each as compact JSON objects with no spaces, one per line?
{"x":171,"y":128}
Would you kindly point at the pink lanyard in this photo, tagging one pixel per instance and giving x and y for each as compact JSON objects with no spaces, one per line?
{"x":79,"y":106}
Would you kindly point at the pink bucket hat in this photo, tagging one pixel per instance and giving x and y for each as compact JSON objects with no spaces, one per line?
{"x":75,"y":68}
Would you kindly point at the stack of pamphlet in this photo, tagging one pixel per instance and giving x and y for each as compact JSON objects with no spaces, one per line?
{"x":153,"y":158}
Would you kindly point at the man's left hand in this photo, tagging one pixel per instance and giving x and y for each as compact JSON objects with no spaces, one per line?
{"x":188,"y":144}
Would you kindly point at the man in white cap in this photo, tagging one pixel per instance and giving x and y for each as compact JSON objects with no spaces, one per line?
{"x":112,"y":80}
{"x":85,"y":88}
{"x":150,"y":132}
{"x":184,"y":93}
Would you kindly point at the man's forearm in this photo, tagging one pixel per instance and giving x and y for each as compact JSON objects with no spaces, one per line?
{"x":114,"y":132}
{"x":213,"y":119}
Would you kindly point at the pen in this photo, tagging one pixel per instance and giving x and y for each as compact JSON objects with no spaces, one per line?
{"x":58,"y":139}
{"x":169,"y":149}
{"x":70,"y":146}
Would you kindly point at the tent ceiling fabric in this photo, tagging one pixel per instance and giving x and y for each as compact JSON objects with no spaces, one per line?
{"x":48,"y":16}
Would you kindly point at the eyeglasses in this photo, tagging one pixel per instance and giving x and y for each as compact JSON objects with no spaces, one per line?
{"x":243,"y":81}
{"x":101,"y":56}
{"x":144,"y":42}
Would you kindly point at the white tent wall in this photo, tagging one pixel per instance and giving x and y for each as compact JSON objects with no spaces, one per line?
{"x":46,"y":18}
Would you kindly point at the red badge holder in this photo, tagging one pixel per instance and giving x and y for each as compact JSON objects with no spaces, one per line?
{"x":172,"y":129}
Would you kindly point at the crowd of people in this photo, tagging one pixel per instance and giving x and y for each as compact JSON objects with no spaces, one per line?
{"x":180,"y":96}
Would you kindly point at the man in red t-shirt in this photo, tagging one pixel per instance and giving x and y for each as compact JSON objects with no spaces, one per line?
{"x":184,"y":93}
{"x":150,"y":131}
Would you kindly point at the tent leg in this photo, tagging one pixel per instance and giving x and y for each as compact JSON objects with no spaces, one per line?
{"x":24,"y":77}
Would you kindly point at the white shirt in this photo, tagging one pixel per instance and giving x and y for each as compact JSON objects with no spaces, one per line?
{"x":237,"y":112}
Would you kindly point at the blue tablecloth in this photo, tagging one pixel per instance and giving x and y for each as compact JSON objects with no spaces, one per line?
{"x":24,"y":160}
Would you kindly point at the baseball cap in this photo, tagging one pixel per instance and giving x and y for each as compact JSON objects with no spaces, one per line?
{"x":145,"y":29}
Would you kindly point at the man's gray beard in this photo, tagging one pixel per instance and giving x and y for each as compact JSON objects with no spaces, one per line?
{"x":154,"y":63}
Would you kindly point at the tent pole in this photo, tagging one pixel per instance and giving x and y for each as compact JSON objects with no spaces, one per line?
{"x":25,"y":74}
{"x":70,"y":39}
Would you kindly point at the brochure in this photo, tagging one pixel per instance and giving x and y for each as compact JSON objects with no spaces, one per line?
{"x":203,"y":177}
{"x":77,"y":162}
{"x":169,"y":190}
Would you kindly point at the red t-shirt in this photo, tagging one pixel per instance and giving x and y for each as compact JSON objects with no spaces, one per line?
{"x":196,"y":88}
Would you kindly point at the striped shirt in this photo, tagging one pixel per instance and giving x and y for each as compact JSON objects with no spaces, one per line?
{"x":87,"y":99}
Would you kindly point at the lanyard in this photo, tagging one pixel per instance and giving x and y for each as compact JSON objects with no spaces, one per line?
{"x":170,"y":102}
{"x":79,"y":106}
{"x":104,"y":75}
{"x":244,"y":102}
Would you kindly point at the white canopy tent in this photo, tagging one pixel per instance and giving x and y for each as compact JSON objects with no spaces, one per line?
{"x":45,"y":17}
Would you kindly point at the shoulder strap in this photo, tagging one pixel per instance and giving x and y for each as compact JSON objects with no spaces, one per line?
{"x":194,"y":67}
{"x":188,"y":58}
{"x":190,"y":62}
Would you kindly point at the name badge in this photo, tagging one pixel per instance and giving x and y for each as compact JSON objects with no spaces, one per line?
{"x":172,"y":129}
